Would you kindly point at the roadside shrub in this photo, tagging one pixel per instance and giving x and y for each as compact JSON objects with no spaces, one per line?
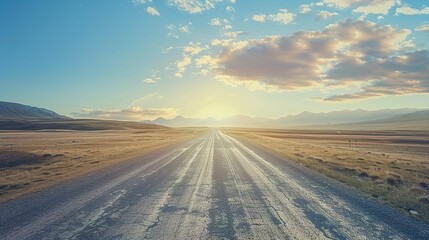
{"x":393,"y":181}
{"x":363,"y":174}
{"x":17,"y":158}
{"x":424,"y":199}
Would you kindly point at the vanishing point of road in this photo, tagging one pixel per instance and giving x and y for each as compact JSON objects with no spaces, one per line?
{"x":211,"y":187}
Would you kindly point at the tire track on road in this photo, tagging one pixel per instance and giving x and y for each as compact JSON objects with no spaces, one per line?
{"x":287,"y":219}
{"x":182,"y":213}
{"x":332,"y":216}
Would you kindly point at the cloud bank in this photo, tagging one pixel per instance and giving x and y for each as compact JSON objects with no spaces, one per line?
{"x":377,"y":60}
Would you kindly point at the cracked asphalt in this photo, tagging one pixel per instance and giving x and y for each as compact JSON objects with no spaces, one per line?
{"x":211,"y":187}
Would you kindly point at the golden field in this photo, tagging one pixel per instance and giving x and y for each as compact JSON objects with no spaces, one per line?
{"x":390,"y":166}
{"x":33,"y":160}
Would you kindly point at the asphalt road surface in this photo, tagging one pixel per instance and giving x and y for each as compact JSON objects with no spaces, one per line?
{"x":211,"y":187}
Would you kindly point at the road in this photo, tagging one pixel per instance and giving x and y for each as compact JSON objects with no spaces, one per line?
{"x":211,"y":187}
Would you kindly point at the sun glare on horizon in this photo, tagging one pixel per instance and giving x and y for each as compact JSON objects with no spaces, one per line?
{"x":218,"y":111}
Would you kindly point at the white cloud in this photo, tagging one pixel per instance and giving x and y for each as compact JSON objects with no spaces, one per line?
{"x":194,"y":6}
{"x":230,"y":9}
{"x":377,"y":7}
{"x":167,"y":50}
{"x":206,"y":60}
{"x":215,"y":22}
{"x":226,"y":27}
{"x":153,"y":78}
{"x":259,"y":18}
{"x":170,"y":27}
{"x":221,"y":42}
{"x":343,"y":3}
{"x":423,"y":28}
{"x":192,"y":49}
{"x":149,"y":80}
{"x":305,"y":8}
{"x":143,"y":99}
{"x":174,"y":31}
{"x":364,"y":6}
{"x":233,"y":34}
{"x":283,"y":16}
{"x":205,"y":63}
{"x":189,"y":51}
{"x":141,"y":2}
{"x":172,"y":35}
{"x":184,"y":29}
{"x":323,"y":15}
{"x":152,"y":11}
{"x":412,"y":11}
{"x":182,"y":65}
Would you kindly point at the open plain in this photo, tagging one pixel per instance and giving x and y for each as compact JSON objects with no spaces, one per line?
{"x":33,"y":160}
{"x":211,"y":187}
{"x":390,"y":166}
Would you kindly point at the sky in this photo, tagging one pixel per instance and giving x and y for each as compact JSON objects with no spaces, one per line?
{"x":143,"y":59}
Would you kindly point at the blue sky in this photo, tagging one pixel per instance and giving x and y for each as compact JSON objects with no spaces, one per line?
{"x":140,"y":60}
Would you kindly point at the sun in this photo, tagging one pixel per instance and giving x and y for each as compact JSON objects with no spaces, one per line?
{"x":218,"y":111}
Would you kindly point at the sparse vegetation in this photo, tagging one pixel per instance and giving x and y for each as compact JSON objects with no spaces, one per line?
{"x":390,"y":166}
{"x":31,"y":160}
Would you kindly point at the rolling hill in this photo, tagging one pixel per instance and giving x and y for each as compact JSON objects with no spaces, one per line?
{"x":73,"y":124}
{"x":14,"y":116}
{"x":19,"y":111}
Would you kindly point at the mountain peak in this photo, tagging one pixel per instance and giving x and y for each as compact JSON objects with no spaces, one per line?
{"x":179,"y":117}
{"x":160,"y":119}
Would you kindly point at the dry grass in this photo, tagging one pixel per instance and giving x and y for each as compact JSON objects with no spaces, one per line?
{"x":31,"y":161}
{"x":391,"y":166}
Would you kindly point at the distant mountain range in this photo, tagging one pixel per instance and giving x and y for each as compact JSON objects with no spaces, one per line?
{"x":411,"y":121}
{"x":14,"y":116}
{"x":338,"y":117}
{"x":346,"y":119}
{"x":19,"y":111}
